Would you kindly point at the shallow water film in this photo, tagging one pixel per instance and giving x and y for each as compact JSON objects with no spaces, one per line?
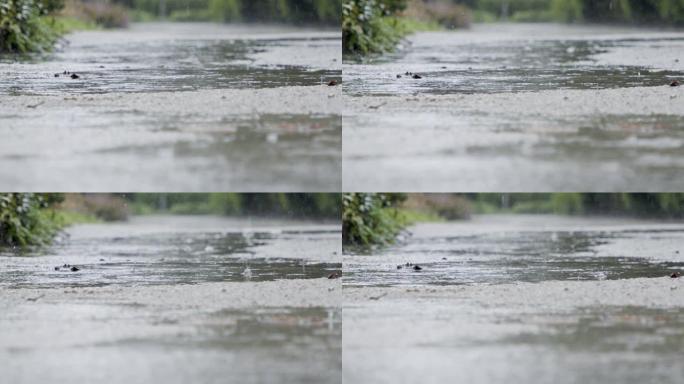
{"x":518,"y":298}
{"x":517,"y":107}
{"x":178,"y":299}
{"x":175,"y":107}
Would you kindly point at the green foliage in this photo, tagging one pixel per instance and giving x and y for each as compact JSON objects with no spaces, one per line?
{"x":225,"y":9}
{"x":657,"y":205}
{"x":371,"y":219}
{"x":65,"y":25}
{"x":368,"y":26}
{"x":67,"y":218}
{"x":567,"y":203}
{"x":532,"y":16}
{"x":24,"y":26}
{"x":481,"y":16}
{"x":25,"y":219}
{"x":671,"y":10}
{"x":505,"y":9}
{"x":567,"y":10}
{"x":641,"y":11}
{"x":295,"y":205}
{"x":289,"y":11}
{"x":410,"y":216}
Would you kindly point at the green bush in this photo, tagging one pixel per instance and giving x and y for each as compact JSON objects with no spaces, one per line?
{"x":25,"y":219}
{"x":371,"y":219}
{"x":24,"y":26}
{"x":369,"y":27}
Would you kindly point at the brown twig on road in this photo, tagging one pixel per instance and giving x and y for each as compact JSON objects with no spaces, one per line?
{"x":34,"y":106}
{"x":377,"y":297}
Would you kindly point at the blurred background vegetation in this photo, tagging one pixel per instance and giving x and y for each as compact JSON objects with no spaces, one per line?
{"x":291,"y":205}
{"x":376,"y":219}
{"x":282,"y":11}
{"x":35,"y":25}
{"x":376,"y":26}
{"x":28,"y":219}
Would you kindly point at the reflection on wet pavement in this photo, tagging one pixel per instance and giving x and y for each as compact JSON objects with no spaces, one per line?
{"x":166,"y":298}
{"x":605,"y":329}
{"x":536,"y":299}
{"x":516,"y":254}
{"x":264,"y":328}
{"x":438,"y":340}
{"x":117,"y":343}
{"x":514,"y":153}
{"x":241,"y":153}
{"x":254,"y":329}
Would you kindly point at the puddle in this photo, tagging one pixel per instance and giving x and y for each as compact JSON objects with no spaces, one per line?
{"x":268,"y":327}
{"x":508,"y":253}
{"x":124,"y":344}
{"x":533,"y":121}
{"x":605,"y":329}
{"x":443,"y":341}
{"x":550,"y":331}
{"x":143,"y":61}
{"x":163,"y":256}
{"x":241,"y":152}
{"x":483,"y":61}
{"x":514,"y":153}
{"x":237,"y":130}
{"x":254,"y":329}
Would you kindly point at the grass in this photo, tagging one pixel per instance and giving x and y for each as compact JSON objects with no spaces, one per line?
{"x":140,"y":16}
{"x":65,"y":24}
{"x":66,"y":218}
{"x":533,"y":16}
{"x":410,"y":216}
{"x":140,"y":208}
{"x":192,"y":15}
{"x":480,"y":16}
{"x":409,"y":26}
{"x":523,"y":207}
